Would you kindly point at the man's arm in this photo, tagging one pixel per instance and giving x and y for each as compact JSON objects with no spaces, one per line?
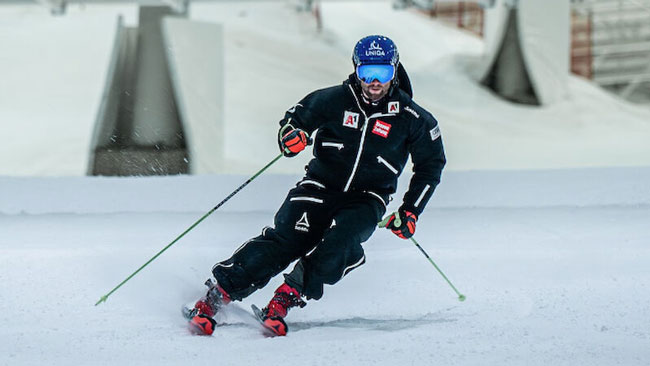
{"x":299,"y":122}
{"x":428,"y":157}
{"x":307,"y":114}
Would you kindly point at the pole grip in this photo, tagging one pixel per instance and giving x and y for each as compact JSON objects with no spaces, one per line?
{"x":383,"y":223}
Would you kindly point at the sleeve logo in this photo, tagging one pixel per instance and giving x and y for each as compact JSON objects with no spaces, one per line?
{"x":351,"y":119}
{"x":435,"y":133}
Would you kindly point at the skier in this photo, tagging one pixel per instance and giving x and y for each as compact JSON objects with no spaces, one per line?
{"x":367,"y":128}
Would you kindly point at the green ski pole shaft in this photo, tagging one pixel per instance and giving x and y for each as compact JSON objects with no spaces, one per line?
{"x":103,"y":298}
{"x":461,"y":297}
{"x":398,"y":222}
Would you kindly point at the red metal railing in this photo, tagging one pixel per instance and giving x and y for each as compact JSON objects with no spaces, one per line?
{"x":464,"y":14}
{"x":581,"y":44}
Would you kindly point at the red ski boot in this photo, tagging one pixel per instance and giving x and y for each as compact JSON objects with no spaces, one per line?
{"x":273,"y":314}
{"x":200,"y":317}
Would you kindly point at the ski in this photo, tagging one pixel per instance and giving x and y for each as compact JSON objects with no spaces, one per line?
{"x":202,"y":324}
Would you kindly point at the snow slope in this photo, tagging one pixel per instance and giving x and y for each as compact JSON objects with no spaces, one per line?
{"x":554,"y":265}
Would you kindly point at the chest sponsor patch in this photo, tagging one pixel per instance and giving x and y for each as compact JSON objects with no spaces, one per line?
{"x":381,"y":128}
{"x":393,"y":107}
{"x":435,"y":133}
{"x":351,"y":119}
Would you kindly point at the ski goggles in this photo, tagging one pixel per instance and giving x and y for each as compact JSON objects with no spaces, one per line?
{"x":380,"y":72}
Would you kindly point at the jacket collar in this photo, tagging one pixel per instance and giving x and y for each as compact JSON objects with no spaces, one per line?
{"x":381,"y":106}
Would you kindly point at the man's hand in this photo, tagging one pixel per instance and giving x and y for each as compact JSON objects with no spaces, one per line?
{"x":293,"y":141}
{"x":406,"y":221}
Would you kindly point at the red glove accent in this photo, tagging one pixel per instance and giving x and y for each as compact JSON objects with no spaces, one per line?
{"x":294,"y":142}
{"x":406,"y":229}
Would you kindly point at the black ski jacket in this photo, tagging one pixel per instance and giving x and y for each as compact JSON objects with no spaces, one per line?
{"x":360,"y":147}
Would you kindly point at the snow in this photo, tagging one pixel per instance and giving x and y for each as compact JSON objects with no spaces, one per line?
{"x":541,"y":219}
{"x":274,"y":56}
{"x":554,"y":265}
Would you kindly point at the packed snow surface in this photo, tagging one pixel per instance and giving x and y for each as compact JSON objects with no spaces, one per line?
{"x":554,"y":265}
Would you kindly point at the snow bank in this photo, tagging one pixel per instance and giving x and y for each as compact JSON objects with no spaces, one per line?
{"x":542,"y":188}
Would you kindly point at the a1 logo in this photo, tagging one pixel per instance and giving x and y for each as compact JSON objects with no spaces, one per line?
{"x":351,"y":119}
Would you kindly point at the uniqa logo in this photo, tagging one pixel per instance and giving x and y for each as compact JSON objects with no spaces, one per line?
{"x":374,"y":46}
{"x":375,"y":50}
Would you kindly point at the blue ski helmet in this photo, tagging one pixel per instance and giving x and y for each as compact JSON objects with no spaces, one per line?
{"x":375,"y":57}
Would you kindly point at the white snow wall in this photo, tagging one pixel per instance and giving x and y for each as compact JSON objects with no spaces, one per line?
{"x":544,"y":39}
{"x":196,"y":63}
{"x":199,"y":193}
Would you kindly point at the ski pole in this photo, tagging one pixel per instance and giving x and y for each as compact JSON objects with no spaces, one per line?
{"x":103,"y":298}
{"x":398,"y":222}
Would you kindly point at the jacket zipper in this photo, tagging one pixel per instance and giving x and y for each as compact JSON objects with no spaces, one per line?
{"x":363,"y":138}
{"x":390,"y":167}
{"x":332,"y":144}
{"x":378,"y":197}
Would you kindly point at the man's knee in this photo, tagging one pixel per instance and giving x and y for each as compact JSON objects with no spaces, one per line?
{"x":235,"y":280}
{"x":252,"y":266}
{"x":327,"y":268}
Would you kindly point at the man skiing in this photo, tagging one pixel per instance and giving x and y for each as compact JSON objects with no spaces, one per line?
{"x":367,"y":128}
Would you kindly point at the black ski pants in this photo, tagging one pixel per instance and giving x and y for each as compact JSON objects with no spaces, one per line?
{"x":322,"y":228}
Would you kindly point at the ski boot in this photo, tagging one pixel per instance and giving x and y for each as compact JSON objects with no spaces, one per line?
{"x":272,"y":316}
{"x":200,"y":317}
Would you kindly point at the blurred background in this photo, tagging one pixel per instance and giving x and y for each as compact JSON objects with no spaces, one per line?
{"x":166,"y":87}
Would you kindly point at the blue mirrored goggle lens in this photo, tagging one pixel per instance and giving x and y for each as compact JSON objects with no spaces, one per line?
{"x":382,"y":73}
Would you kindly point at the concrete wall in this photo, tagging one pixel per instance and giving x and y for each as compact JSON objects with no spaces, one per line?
{"x":162,"y":108}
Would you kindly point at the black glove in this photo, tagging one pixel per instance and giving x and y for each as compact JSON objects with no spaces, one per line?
{"x":406,"y":227}
{"x":293,"y":141}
